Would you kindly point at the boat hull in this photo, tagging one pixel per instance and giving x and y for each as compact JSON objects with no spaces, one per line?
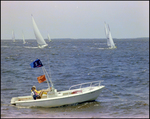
{"x":63,"y":100}
{"x":113,"y":47}
{"x":43,"y":46}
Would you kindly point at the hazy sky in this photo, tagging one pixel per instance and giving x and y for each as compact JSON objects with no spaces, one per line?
{"x":75,"y":19}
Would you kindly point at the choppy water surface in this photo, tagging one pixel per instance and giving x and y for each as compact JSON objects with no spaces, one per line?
{"x":125,"y":72}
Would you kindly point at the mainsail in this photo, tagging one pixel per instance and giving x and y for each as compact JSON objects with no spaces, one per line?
{"x":107,"y":35}
{"x":110,"y":41}
{"x":49,"y":38}
{"x":13,"y":36}
{"x":23,"y":38}
{"x":41,"y":42}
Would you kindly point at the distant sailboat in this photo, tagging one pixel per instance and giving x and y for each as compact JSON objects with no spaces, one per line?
{"x":107,"y":35}
{"x":23,"y":38}
{"x":49,"y":38}
{"x":13,"y":36}
{"x":41,"y":42}
{"x":110,"y":41}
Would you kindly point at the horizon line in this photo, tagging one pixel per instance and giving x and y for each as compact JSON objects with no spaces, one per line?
{"x":73,"y":38}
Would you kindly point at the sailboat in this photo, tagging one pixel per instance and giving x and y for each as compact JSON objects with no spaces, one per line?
{"x":13,"y":36}
{"x":110,"y":41}
{"x":49,"y":38}
{"x":40,"y":40}
{"x":107,"y":35}
{"x":23,"y":38}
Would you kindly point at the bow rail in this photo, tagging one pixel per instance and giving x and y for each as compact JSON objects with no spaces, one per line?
{"x":90,"y":84}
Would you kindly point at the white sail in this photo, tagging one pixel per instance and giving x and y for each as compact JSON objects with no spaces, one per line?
{"x":107,"y":35}
{"x":41,"y":42}
{"x":110,"y":41}
{"x":13,"y":36}
{"x":49,"y":38}
{"x":23,"y":38}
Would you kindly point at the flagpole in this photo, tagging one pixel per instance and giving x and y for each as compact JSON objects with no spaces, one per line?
{"x":38,"y":63}
{"x":46,"y":78}
{"x":50,"y":75}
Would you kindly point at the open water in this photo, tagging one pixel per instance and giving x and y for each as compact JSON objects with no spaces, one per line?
{"x":125,"y":72}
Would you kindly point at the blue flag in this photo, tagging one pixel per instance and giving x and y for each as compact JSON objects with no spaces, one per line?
{"x":37,"y":63}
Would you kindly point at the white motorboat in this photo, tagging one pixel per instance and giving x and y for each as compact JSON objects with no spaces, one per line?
{"x":54,"y":98}
{"x":76,"y":93}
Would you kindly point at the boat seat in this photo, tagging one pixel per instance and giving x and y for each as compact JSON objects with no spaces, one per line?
{"x":23,"y":99}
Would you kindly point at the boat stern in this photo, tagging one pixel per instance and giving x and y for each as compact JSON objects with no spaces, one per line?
{"x":13,"y":100}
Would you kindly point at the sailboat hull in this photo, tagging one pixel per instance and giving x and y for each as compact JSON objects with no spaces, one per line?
{"x":24,"y":42}
{"x":43,"y":46}
{"x":113,"y":47}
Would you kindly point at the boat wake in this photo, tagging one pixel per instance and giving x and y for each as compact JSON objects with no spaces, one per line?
{"x":99,"y":43}
{"x":106,"y":48}
{"x":30,"y":47}
{"x":98,"y":48}
{"x":102,"y":48}
{"x":11,"y":46}
{"x":20,"y":107}
{"x":94,"y":67}
{"x":5,"y":46}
